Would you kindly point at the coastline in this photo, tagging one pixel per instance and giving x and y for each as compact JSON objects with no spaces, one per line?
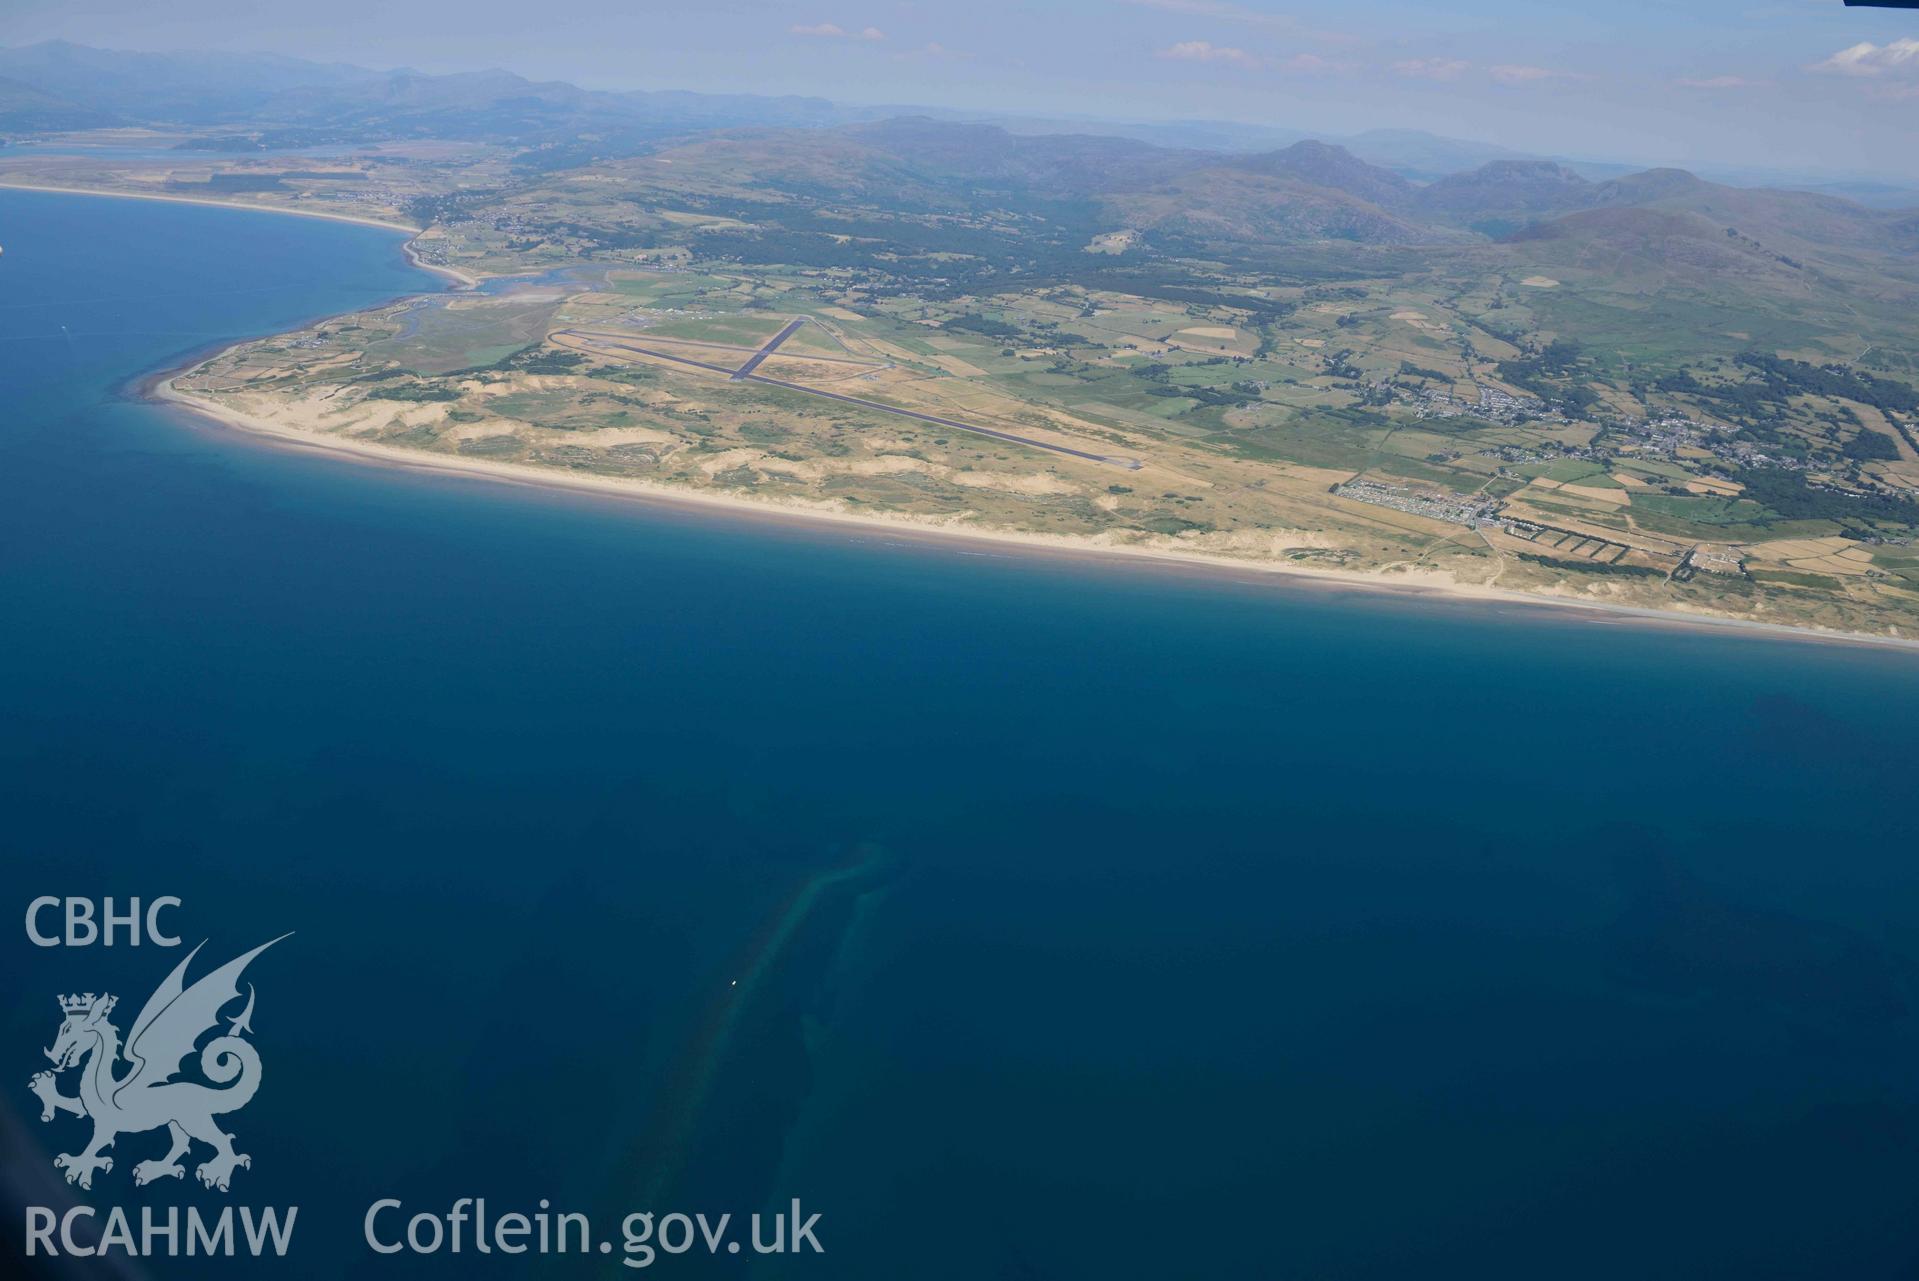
{"x":412,"y":256}
{"x":160,"y":388}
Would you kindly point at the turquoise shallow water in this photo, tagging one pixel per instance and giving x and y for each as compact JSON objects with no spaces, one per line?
{"x":1089,"y":920}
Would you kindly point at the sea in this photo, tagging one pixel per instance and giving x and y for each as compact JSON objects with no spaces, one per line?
{"x":1021,"y":915}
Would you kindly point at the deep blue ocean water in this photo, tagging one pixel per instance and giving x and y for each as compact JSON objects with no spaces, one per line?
{"x":1088,"y":920}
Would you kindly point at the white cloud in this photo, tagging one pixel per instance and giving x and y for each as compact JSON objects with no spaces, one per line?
{"x":1205,"y":51}
{"x":1719,"y":82}
{"x":833,"y":31}
{"x":1218,"y":9}
{"x":1514,"y":75}
{"x":1518,"y":74}
{"x":1868,"y":59}
{"x":933,"y":49}
{"x":1312,"y":64}
{"x":1432,"y":68}
{"x":1226,"y":11}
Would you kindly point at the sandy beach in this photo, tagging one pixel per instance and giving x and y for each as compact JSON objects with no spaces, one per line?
{"x":1432,"y":586}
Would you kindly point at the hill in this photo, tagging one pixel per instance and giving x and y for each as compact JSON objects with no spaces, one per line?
{"x":195,"y":88}
{"x":268,"y":95}
{"x":25,"y":109}
{"x":1334,"y":168}
{"x":1505,"y":195}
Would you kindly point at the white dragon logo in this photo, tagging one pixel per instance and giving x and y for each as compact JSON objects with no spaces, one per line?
{"x":174,"y":1018}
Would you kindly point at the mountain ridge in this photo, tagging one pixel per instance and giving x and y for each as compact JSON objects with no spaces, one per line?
{"x":278,"y":101}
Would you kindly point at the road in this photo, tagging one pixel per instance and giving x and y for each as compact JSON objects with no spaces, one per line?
{"x":811,"y":357}
{"x":1131,"y":464}
{"x":743,"y":375}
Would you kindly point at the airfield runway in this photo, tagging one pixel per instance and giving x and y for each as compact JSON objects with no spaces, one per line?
{"x":745,"y":374}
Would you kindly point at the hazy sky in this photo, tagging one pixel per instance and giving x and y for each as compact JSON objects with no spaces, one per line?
{"x":1786,"y":83}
